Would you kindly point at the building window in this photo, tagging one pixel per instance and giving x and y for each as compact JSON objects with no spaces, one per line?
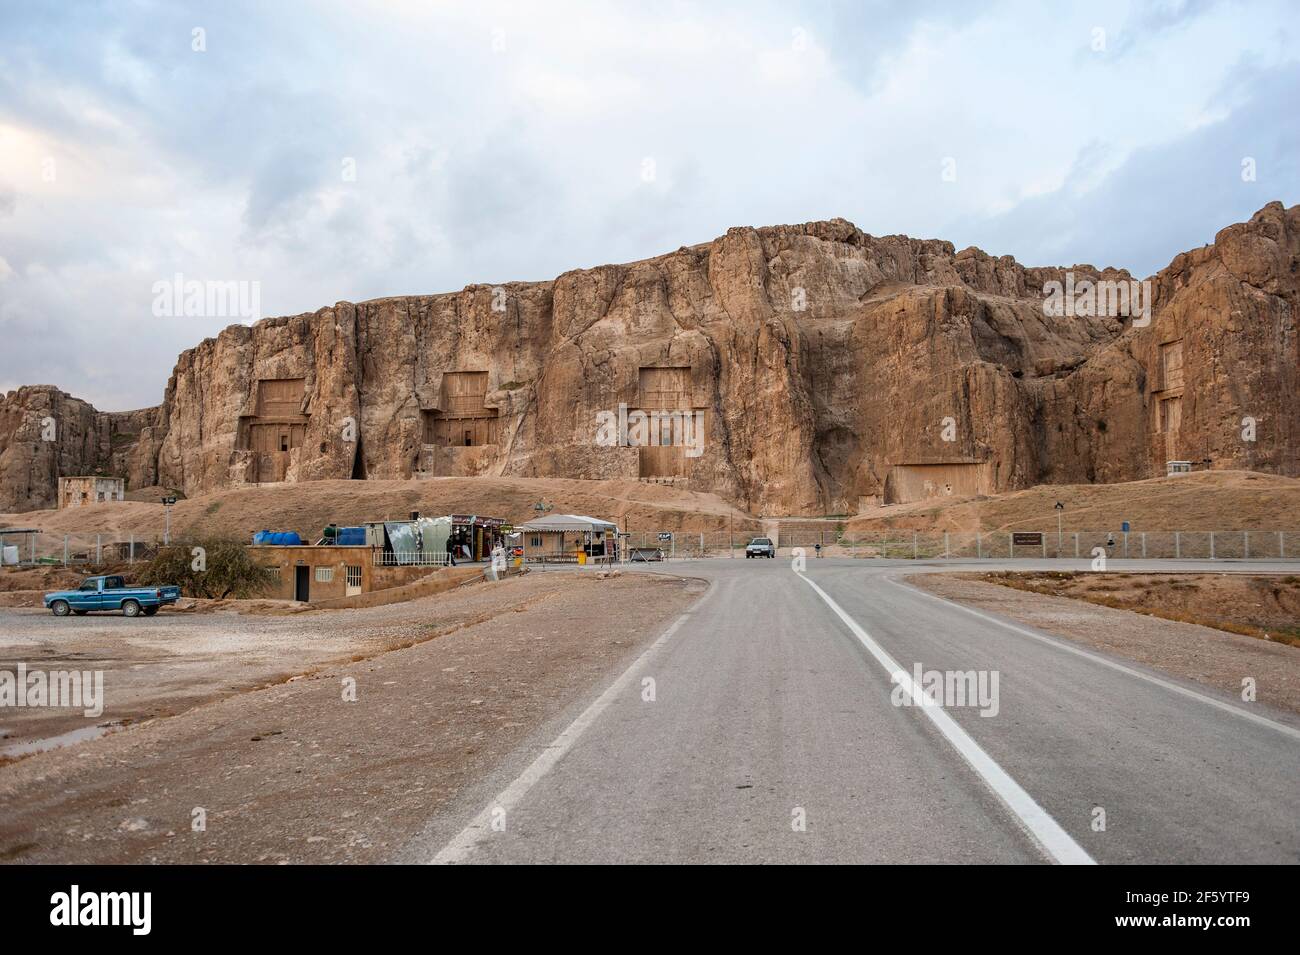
{"x":353,"y":576}
{"x":324,"y":575}
{"x":535,"y":541}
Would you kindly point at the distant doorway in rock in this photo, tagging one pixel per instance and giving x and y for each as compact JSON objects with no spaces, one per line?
{"x":276,"y":429}
{"x":463,"y":419}
{"x":1171,"y":419}
{"x":660,"y":390}
{"x":358,"y":463}
{"x":906,"y":483}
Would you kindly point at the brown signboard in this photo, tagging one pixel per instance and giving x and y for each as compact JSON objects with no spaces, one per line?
{"x":1027,"y":538}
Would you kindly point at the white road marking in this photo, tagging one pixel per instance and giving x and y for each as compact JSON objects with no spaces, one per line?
{"x":479,"y":828}
{"x":1045,"y":830}
{"x":1097,"y":658}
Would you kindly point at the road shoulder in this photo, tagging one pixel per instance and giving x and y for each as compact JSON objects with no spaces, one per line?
{"x":1212,"y":658}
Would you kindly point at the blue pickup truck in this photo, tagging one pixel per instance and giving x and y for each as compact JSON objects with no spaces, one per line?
{"x":110,"y":593}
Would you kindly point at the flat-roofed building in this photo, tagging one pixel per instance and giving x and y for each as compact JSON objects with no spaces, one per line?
{"x":90,"y":489}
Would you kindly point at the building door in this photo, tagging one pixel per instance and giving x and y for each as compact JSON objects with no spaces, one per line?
{"x":301,"y":583}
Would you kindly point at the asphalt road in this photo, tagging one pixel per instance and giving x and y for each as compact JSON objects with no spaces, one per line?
{"x":771,"y":733}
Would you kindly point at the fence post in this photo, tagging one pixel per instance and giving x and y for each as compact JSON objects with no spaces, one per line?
{"x":1281,"y":544}
{"x":979,"y":545}
{"x":1144,"y":545}
{"x":915,"y":554}
{"x":65,"y":550}
{"x":131,"y":552}
{"x":1011,"y":545}
{"x":1076,"y":544}
{"x":1044,"y":539}
{"x":1245,"y":545}
{"x":1211,"y":545}
{"x":99,"y":549}
{"x":1126,"y":545}
{"x":1178,"y":544}
{"x":945,"y":545}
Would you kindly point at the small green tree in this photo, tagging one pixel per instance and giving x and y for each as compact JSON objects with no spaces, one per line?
{"x":212,"y":567}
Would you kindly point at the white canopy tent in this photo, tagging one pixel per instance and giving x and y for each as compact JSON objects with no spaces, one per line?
{"x":564,"y":535}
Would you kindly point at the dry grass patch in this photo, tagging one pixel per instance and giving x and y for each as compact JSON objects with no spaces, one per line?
{"x":1265,"y":606}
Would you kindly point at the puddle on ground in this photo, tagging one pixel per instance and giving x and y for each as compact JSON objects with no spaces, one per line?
{"x":54,"y":742}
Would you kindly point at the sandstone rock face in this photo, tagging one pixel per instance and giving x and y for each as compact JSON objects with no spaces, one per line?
{"x":821,"y":359}
{"x":45,"y":434}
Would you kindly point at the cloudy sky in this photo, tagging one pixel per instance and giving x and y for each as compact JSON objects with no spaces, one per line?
{"x":350,"y":150}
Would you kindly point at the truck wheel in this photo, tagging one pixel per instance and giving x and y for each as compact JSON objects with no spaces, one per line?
{"x":60,"y":608}
{"x":150,"y":611}
{"x":130,"y":608}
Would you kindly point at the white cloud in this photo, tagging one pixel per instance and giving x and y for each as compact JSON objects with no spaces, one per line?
{"x":500,"y":141}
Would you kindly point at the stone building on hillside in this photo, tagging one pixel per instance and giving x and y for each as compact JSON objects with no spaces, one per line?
{"x":90,"y":489}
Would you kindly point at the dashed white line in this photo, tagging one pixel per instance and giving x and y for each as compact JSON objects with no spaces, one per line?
{"x":1045,"y":830}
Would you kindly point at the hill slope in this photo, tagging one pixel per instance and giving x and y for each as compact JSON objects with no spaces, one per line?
{"x":1201,"y":501}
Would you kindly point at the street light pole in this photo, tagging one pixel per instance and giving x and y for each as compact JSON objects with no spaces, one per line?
{"x":167,"y":519}
{"x":1060,"y":509}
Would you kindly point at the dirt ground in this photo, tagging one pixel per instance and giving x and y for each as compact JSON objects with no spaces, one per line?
{"x":1213,"y":657}
{"x":295,"y":773}
{"x":162,"y":666}
{"x":41,"y":579}
{"x":1256,"y":605}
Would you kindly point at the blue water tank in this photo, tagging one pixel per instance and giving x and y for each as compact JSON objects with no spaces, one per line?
{"x":351,"y":537}
{"x":277,"y":538}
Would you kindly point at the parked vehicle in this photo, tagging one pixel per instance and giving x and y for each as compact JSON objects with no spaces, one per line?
{"x":760,"y":547}
{"x":110,"y":593}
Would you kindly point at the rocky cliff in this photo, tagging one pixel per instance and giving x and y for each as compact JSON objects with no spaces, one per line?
{"x":45,"y":434}
{"x":831,"y":368}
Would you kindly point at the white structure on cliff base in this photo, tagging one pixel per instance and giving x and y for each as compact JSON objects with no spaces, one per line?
{"x":90,"y":489}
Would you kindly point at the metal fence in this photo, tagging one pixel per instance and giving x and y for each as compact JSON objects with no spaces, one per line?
{"x":109,"y":550}
{"x":931,"y":545}
{"x":414,"y":558}
{"x":70,"y":550}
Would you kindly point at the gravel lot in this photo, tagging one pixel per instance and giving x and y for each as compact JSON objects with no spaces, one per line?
{"x":294,"y":772}
{"x":164,"y":665}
